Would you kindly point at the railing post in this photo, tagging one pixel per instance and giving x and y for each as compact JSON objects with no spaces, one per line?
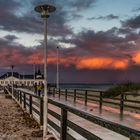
{"x":24,"y":95}
{"x":54,"y":92}
{"x":101,"y":100}
{"x":74,"y":95}
{"x":66,"y":93}
{"x":41,"y":111}
{"x":63,"y":132}
{"x":30,"y":104}
{"x":121,"y":103}
{"x":13,"y":93}
{"x":86,"y":98}
{"x":20,"y":97}
{"x":16,"y":94}
{"x":59,"y":93}
{"x":49,"y":90}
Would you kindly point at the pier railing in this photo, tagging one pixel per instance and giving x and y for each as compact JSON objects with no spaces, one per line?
{"x":32,"y":103}
{"x":97,"y":96}
{"x":34,"y":106}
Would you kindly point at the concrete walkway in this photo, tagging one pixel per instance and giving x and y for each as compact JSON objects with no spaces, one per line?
{"x":12,"y":124}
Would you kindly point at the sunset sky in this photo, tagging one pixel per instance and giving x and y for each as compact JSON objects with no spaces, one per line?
{"x":99,"y":40}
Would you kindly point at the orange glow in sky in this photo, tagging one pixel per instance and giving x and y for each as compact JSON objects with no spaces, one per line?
{"x":136,"y":58}
{"x":100,"y":63}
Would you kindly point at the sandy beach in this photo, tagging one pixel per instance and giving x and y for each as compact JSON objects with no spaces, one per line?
{"x":12,"y":123}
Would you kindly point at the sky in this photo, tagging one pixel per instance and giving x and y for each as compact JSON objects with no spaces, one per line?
{"x":98,"y":40}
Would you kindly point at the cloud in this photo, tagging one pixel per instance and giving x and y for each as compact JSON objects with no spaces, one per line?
{"x":30,"y":21}
{"x":102,"y":63}
{"x":104,"y":55}
{"x":132,"y":23}
{"x":81,"y":5}
{"x":108,"y":17}
{"x":100,"y":50}
{"x":11,"y":37}
{"x":75,"y":16}
{"x":136,"y":10}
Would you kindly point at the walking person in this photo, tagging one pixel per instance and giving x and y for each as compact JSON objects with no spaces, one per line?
{"x":35,"y":88}
{"x":39,"y":88}
{"x":42,"y":89}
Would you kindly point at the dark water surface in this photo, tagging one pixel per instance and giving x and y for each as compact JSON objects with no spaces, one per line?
{"x":87,"y":86}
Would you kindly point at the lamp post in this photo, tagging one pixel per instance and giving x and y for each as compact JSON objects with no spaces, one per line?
{"x":12,"y":67}
{"x":34,"y":71}
{"x":45,"y":10}
{"x":57,"y":74}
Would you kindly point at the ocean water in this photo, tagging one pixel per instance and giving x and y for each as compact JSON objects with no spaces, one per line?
{"x":87,"y":86}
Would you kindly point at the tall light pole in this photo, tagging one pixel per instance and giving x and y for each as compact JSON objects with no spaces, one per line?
{"x":45,"y":10}
{"x":12,"y":67}
{"x":57,"y":73}
{"x":34,"y":71}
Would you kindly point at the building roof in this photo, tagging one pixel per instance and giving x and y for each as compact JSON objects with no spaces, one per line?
{"x":38,"y":75}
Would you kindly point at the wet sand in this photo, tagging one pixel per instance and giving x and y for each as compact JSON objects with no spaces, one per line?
{"x":12,"y":124}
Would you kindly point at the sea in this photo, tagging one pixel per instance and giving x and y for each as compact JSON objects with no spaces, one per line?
{"x":102,"y":87}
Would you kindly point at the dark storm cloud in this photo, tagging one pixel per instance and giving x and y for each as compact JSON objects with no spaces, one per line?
{"x":11,"y":37}
{"x":108,"y":17}
{"x":11,"y":22}
{"x":92,"y":43}
{"x":13,"y":53}
{"x":102,"y":55}
{"x":101,"y":50}
{"x":132,"y":23}
{"x":8,"y":6}
{"x":31,"y":22}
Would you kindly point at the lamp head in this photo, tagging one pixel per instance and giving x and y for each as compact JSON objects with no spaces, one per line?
{"x":45,"y":10}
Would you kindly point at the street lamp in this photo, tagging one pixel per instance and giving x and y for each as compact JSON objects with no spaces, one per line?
{"x":57,"y":74}
{"x":45,"y":10}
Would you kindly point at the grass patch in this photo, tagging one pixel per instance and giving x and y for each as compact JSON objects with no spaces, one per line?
{"x":117,"y":90}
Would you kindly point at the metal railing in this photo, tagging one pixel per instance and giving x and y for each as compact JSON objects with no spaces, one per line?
{"x":34,"y":105}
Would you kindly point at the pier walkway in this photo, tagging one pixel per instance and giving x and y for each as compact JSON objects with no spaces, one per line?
{"x":69,"y":120}
{"x":128,"y":119}
{"x":12,"y":123}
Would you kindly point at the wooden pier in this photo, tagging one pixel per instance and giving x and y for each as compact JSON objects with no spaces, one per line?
{"x":67,"y":129}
